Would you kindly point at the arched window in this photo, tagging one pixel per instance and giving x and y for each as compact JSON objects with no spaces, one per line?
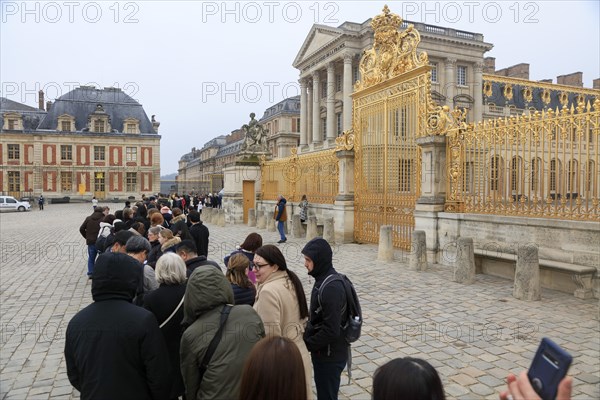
{"x":535,"y":177}
{"x":572,"y":175}
{"x":516,"y":175}
{"x":496,"y":164}
{"x":554,"y":176}
{"x":590,"y":179}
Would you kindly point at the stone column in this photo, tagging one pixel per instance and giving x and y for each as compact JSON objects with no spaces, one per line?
{"x":252,"y":217}
{"x":309,"y":114}
{"x":527,"y":274}
{"x":347,"y":91}
{"x":343,"y":208}
{"x":221,"y":218}
{"x":450,"y":82}
{"x":311,"y":228}
{"x":331,"y":133}
{"x":328,"y":232}
{"x":464,"y":268}
{"x":303,"y":114}
{"x":271,"y":223}
{"x":418,"y":252}
{"x":433,"y":192}
{"x":316,"y":117}
{"x":478,"y":92}
{"x":260,"y":220}
{"x":385,"y":251}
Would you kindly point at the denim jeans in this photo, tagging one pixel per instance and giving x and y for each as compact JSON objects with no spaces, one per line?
{"x":280,"y":229}
{"x":327,"y":378}
{"x":92,"y":253}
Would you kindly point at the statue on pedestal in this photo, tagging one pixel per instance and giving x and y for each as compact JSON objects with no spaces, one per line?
{"x":256,"y":137}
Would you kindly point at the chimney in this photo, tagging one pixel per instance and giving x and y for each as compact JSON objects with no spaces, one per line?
{"x":48,"y":105}
{"x":41,"y":100}
{"x":574,"y":79}
{"x":545,"y":81}
{"x":515,"y":71}
{"x":155,"y":124}
{"x":596,"y":84}
{"x":489,"y":65}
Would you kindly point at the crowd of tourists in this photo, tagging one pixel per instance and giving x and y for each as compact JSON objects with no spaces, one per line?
{"x":168,"y":323}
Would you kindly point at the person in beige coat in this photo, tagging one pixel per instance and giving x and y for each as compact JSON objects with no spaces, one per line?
{"x":281,"y":303}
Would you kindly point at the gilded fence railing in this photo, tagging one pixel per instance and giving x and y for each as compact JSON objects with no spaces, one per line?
{"x":545,"y":164}
{"x":314,"y":174}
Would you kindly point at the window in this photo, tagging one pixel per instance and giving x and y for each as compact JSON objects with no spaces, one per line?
{"x":515,"y":174}
{"x":131,"y":154}
{"x":405,"y":175}
{"x":66,"y":181}
{"x":400,"y":122}
{"x":590,"y":177}
{"x":98,"y":126}
{"x":324,"y":128}
{"x":535,"y":175}
{"x":434,"y":70}
{"x":461,"y":75}
{"x":468,"y":177}
{"x":66,"y":152}
{"x":553,"y":175}
{"x":295,"y":124}
{"x":323,"y":89}
{"x":99,"y":153}
{"x":355,"y":75}
{"x":65,"y":126}
{"x":130,"y":128}
{"x":338,"y":118}
{"x":572,"y":177}
{"x":14,"y":152}
{"x":338,"y":83}
{"x":495,"y":173}
{"x":131,"y":182}
{"x":12,"y":124}
{"x":14,"y":181}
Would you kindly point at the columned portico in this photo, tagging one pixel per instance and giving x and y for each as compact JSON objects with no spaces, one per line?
{"x":450,"y":82}
{"x":347,"y":100}
{"x":331,"y":133}
{"x":478,"y":92}
{"x":303,"y":111}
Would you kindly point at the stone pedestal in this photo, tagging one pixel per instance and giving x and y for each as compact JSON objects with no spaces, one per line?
{"x":246,"y":169}
{"x":298,"y":230}
{"x":208,"y":213}
{"x":386,"y":250}
{"x":261,"y":222}
{"x":527,"y":274}
{"x":328,"y":233}
{"x":464,"y":268}
{"x":418,"y":252}
{"x":252,"y":217}
{"x":311,"y":228}
{"x":271,"y":224}
{"x":433,"y":191}
{"x":343,"y":208}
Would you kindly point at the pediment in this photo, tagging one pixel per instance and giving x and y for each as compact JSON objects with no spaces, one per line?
{"x":318,"y":37}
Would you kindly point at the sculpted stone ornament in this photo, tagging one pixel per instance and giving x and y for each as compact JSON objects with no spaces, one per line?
{"x":256,"y":137}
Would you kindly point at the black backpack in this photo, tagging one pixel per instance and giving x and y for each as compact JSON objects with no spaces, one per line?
{"x":351,"y":312}
{"x":103,"y":242}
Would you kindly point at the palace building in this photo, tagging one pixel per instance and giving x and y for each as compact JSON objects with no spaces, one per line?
{"x":89,"y":142}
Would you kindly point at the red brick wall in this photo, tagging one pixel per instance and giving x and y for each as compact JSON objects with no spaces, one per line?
{"x":26,"y":149}
{"x":86,"y":180}
{"x":146,"y":183}
{"x":49,"y":181}
{"x":115,"y":159}
{"x":28,"y":186}
{"x":119,"y":181}
{"x":83,"y":155}
{"x":146,"y":161}
{"x":49,"y":160}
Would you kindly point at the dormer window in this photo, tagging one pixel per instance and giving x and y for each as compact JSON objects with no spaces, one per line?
{"x":99,"y":121}
{"x":98,"y":126}
{"x":13,"y":122}
{"x":131,"y":125}
{"x":65,"y":123}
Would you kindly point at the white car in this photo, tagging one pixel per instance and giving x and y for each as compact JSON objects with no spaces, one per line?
{"x":9,"y":203}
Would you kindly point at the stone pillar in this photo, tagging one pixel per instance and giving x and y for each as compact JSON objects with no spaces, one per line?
{"x":252,"y":217}
{"x":343,"y":208}
{"x":328,"y":232}
{"x":271,"y":224}
{"x":478,"y":92}
{"x":261,"y":222}
{"x":207,"y":212}
{"x":309,"y":114}
{"x":450,"y":82}
{"x":385,"y":251}
{"x":311,"y":228}
{"x":331,"y":133}
{"x":297,"y":228}
{"x":347,"y":92}
{"x":433,"y":192}
{"x":221,"y":218}
{"x":464,"y":268}
{"x":316,"y":117}
{"x":527,"y":274}
{"x":303,"y":114}
{"x":418,"y":252}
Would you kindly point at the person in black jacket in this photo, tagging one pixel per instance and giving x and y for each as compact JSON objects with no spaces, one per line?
{"x":166,"y":303}
{"x":187,"y":250}
{"x":199,"y":233}
{"x":323,"y":336}
{"x":114,"y":349}
{"x":89,"y":230}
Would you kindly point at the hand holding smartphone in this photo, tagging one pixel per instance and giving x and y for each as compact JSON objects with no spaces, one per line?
{"x":549,"y":366}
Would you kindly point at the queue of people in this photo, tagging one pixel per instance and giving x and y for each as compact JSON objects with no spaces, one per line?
{"x":167,"y":323}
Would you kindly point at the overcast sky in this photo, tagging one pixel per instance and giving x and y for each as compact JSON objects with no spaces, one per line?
{"x":203,"y":67}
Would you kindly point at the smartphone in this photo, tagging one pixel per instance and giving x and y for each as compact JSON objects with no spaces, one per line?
{"x":548,"y":368}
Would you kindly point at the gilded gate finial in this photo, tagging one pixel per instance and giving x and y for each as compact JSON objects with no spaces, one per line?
{"x":393,"y":52}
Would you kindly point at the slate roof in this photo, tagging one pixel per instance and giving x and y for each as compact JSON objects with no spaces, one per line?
{"x":519,"y":101}
{"x":31,"y":115}
{"x":82,"y":101}
{"x":291,"y":105}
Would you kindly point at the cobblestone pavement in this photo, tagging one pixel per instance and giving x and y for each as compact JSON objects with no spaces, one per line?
{"x":474,"y":335}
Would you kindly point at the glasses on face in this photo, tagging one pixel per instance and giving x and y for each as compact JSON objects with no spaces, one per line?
{"x":259,"y":266}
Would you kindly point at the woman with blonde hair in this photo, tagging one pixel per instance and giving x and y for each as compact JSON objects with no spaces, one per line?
{"x":237,"y":274}
{"x":281,"y":302}
{"x":168,"y":242}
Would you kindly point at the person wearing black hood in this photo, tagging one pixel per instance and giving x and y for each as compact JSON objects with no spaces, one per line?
{"x":323,"y":336}
{"x":114,"y":349}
